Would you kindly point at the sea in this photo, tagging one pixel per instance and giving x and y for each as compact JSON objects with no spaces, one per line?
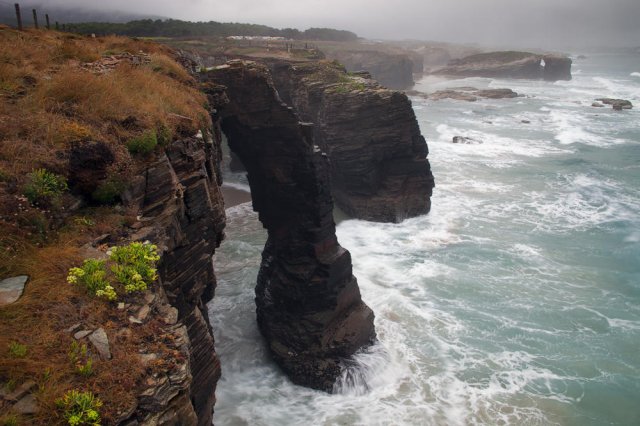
{"x":515,"y":301}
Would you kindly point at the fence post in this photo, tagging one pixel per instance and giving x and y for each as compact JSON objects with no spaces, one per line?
{"x":57,"y":26}
{"x":47,"y":18}
{"x":35,"y":19}
{"x":18,"y":17}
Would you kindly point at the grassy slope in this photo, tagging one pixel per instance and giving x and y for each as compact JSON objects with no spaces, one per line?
{"x":49,"y":101}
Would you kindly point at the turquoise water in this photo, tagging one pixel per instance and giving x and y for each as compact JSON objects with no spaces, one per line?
{"x":515,"y":301}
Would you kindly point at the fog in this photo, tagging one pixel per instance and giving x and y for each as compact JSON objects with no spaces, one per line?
{"x":534,"y":23}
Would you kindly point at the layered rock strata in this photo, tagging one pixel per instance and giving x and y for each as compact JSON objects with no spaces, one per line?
{"x":393,"y":70}
{"x":180,"y":208}
{"x":379,"y":166}
{"x":510,"y":65}
{"x":308,"y":302}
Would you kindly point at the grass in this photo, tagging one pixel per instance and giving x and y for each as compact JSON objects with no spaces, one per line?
{"x":49,"y":103}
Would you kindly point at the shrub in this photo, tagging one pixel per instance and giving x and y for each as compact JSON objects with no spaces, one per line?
{"x":16,"y":350}
{"x":164,"y":135}
{"x":79,"y":358}
{"x":143,"y":144}
{"x":92,"y":276}
{"x":108,"y":191}
{"x":132,"y":267}
{"x":44,"y":187}
{"x":80,"y":408}
{"x":135,"y":265}
{"x":9,"y":420}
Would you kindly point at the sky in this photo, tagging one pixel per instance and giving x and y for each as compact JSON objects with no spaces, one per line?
{"x":533,"y":23}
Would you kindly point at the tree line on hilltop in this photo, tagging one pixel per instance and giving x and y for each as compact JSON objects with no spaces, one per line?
{"x":178,"y":28}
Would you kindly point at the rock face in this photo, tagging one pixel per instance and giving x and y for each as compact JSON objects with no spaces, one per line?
{"x":393,"y":70}
{"x":308,"y":302}
{"x":510,"y":65}
{"x":379,"y":169}
{"x":178,"y":199}
{"x":556,"y":68}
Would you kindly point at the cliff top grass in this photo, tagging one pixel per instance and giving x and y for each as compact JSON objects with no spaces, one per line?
{"x":59,"y":91}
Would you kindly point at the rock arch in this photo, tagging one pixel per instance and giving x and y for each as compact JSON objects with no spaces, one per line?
{"x":309,"y":307}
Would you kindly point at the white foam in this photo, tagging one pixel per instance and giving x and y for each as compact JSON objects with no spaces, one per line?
{"x":617,"y":88}
{"x":237,"y":185}
{"x":571,"y":128}
{"x":635,"y":74}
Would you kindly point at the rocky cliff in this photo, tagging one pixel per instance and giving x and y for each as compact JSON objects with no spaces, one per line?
{"x":393,"y":70}
{"x":181,"y":209}
{"x":308,"y":302}
{"x":510,"y":65}
{"x":379,"y":169}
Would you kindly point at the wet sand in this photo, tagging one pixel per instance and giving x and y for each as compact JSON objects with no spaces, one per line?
{"x":234,"y":196}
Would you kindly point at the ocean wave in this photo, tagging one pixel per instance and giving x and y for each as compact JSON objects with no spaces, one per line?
{"x":635,"y":74}
{"x":617,"y":88}
{"x":238,"y":185}
{"x":571,"y":128}
{"x":493,"y":145}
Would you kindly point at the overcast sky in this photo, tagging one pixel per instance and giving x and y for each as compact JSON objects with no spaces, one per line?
{"x":544,"y":23}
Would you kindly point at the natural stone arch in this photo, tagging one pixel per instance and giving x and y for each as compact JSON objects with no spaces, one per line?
{"x":308,"y":301}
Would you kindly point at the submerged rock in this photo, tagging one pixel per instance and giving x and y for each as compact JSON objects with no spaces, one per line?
{"x":616,"y":104}
{"x":465,"y":140}
{"x":471,"y":94}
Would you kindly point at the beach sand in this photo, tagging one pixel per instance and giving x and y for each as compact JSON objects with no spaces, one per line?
{"x":234,"y":196}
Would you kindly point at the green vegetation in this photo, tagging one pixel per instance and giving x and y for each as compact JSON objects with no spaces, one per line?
{"x":177,"y":28}
{"x":92,"y":276}
{"x":80,"y":360}
{"x":44,"y":188}
{"x":80,"y":408}
{"x":347,"y":83}
{"x":16,"y":350}
{"x":143,"y":144}
{"x":108,"y":191}
{"x":51,"y":103}
{"x":135,"y":265}
{"x":132,"y":267}
{"x":9,"y":420}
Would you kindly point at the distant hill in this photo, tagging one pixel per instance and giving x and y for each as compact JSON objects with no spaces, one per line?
{"x":87,"y":21}
{"x":64,"y":14}
{"x":178,"y":28}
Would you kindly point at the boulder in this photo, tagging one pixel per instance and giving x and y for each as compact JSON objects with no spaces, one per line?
{"x":100,"y":341}
{"x":11,"y":289}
